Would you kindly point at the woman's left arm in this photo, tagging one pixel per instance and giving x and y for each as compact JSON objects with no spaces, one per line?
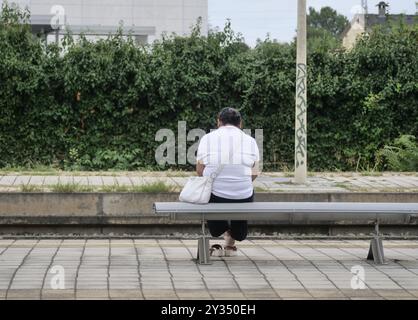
{"x":255,"y":170}
{"x":199,"y":168}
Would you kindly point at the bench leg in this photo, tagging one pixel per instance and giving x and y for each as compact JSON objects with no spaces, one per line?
{"x":203,"y":255}
{"x":376,"y":248}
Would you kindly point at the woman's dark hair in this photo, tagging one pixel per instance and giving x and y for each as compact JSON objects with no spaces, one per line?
{"x":230,"y":116}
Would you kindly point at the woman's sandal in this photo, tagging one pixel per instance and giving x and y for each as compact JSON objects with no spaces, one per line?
{"x":216,"y":251}
{"x":230,"y":251}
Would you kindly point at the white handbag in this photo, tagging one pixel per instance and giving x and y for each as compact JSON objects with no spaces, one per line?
{"x":199,"y":189}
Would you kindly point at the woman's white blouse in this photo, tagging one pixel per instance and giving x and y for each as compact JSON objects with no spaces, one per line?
{"x":237,"y":152}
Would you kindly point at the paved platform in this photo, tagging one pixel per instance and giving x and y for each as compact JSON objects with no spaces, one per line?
{"x":267,"y":182}
{"x":164,"y":269}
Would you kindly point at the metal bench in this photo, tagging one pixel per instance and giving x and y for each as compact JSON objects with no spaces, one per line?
{"x":292,"y":213}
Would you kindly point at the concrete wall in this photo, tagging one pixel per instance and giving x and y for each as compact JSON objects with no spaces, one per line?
{"x":132,"y":213}
{"x":165,"y":15}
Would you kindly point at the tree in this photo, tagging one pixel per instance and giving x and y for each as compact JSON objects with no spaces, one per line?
{"x":327,"y":19}
{"x":324,"y":29}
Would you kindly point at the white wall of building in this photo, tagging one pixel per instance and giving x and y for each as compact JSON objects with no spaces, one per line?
{"x":165,"y":15}
{"x":357,"y":27}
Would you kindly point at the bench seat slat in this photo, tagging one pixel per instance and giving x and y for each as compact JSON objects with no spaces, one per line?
{"x":286,"y":207}
{"x":291,"y":212}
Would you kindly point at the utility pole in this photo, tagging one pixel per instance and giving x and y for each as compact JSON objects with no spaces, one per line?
{"x":364,"y":6}
{"x":301,"y":98}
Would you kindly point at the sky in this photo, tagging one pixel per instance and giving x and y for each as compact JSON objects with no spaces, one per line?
{"x":257,"y":18}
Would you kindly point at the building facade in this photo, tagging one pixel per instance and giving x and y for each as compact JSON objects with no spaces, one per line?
{"x":363,"y":23}
{"x":146,"y":19}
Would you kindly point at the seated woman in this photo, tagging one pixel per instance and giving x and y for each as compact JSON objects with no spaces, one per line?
{"x":234,"y":157}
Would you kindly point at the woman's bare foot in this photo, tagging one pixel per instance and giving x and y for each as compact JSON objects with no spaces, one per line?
{"x":230,"y":249}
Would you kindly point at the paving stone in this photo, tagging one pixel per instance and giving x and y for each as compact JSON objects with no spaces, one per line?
{"x":321,"y":182}
{"x":160,"y":294}
{"x":126,"y":294}
{"x":65,"y":179}
{"x":227,"y":294}
{"x":92,"y":294}
{"x":108,"y":181}
{"x":239,"y":278}
{"x":79,"y":180}
{"x":21,"y":180}
{"x":293,"y":293}
{"x":259,"y":293}
{"x":414,"y":293}
{"x":367,"y":298}
{"x":193,"y":294}
{"x":325,"y":293}
{"x":136,"y":181}
{"x":390,"y":294}
{"x":18,"y":294}
{"x":180,"y":181}
{"x":123,"y":181}
{"x":93,"y":298}
{"x":51,"y":294}
{"x":7,"y":180}
{"x":51,"y":180}
{"x":95,"y":181}
{"x":37,"y":180}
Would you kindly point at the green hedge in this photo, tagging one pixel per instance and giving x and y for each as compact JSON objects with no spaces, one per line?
{"x":98,"y":105}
